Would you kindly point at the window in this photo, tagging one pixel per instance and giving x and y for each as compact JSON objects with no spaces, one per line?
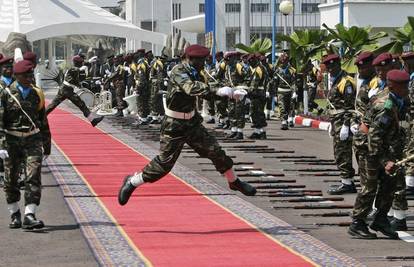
{"x":201,"y":8}
{"x":310,"y":8}
{"x":232,"y":8}
{"x":259,"y":7}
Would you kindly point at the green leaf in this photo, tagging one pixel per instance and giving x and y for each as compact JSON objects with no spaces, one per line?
{"x":348,"y":65}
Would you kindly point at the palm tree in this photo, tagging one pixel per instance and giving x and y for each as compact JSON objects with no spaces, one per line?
{"x":261,"y":46}
{"x":402,"y":37}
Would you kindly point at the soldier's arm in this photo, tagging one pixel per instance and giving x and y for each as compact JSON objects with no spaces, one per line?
{"x":189,"y":86}
{"x":349,"y":103}
{"x":72,"y":77}
{"x":2,"y":111}
{"x":381,"y":124}
{"x":45,"y":131}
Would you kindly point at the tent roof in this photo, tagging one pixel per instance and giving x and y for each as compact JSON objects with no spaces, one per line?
{"x":42,"y":19}
{"x":191,"y":24}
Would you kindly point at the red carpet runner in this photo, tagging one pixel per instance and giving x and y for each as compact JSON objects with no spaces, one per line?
{"x":169,"y":222}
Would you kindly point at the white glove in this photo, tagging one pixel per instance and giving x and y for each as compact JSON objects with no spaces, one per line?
{"x":98,"y":82}
{"x":239,"y":94}
{"x":4,"y":154}
{"x":128,"y":69}
{"x":93,"y":59}
{"x":344,"y":133}
{"x":225,"y":91}
{"x":267,"y":94}
{"x":354,"y":128}
{"x":107,"y":72}
{"x":330,"y":130}
{"x":294,"y":95}
{"x":275,"y":98}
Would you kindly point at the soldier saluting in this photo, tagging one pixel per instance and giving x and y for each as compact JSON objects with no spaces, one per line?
{"x":24,"y":138}
{"x":183,"y":124}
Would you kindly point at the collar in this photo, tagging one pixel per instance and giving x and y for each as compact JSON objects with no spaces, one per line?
{"x":334,"y":80}
{"x":7,"y":80}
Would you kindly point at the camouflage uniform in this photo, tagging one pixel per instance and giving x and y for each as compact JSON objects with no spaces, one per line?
{"x":222,"y":103}
{"x":157,"y":75}
{"x":183,"y":89}
{"x":385,"y":143}
{"x":117,"y":78}
{"x":341,"y":99}
{"x":4,"y":82}
{"x":211,"y":102}
{"x":72,"y":80}
{"x":284,"y":90}
{"x":257,"y":95}
{"x":27,"y":150}
{"x":142,"y":88}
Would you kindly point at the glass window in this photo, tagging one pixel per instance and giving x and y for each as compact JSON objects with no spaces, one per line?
{"x":201,"y":8}
{"x":232,"y":8}
{"x":259,"y":7}
{"x":310,"y":7}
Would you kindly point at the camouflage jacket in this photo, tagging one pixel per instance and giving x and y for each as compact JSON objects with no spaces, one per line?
{"x":184,"y":87}
{"x":142,"y":75}
{"x":157,"y":73}
{"x":118,"y":75}
{"x":232,"y":76}
{"x":258,"y":77}
{"x":285,"y":78}
{"x":362,"y":99}
{"x":385,"y":141}
{"x":341,"y":98}
{"x":13,"y":119}
{"x":73,"y":76}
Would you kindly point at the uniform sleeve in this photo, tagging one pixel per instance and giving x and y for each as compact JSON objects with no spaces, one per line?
{"x":72,"y":77}
{"x":2,"y":111}
{"x":349,"y":103}
{"x":381,"y":125}
{"x":189,"y":86}
{"x":45,"y":131}
{"x":141,"y":77}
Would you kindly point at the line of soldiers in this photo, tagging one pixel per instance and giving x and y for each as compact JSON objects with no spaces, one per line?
{"x":24,"y":138}
{"x":372,"y":116}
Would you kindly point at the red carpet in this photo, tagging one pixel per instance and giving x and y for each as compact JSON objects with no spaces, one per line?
{"x":169,"y":222}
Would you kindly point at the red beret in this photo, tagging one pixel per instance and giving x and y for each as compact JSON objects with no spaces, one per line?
{"x":329,"y":59}
{"x":148,"y":52}
{"x":383,"y":59}
{"x":244,"y":56}
{"x":6,"y":60}
{"x":398,"y":76}
{"x":219,"y":54}
{"x":29,"y":55}
{"x":141,"y":51}
{"x":407,"y":55}
{"x":197,"y":51}
{"x":364,"y":58}
{"x":77,"y":59}
{"x":230,"y":54}
{"x":128,"y":57}
{"x":23,"y":66}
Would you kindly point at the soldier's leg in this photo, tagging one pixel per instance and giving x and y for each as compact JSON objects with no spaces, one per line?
{"x":77,"y":101}
{"x":240,"y":121}
{"x":1,"y":173}
{"x":258,"y":118}
{"x":232,"y":115}
{"x":59,"y":98}
{"x":154,"y":99}
{"x":146,"y":99}
{"x":119,"y":95}
{"x":222,"y":105}
{"x":33,"y":154}
{"x":399,"y":204}
{"x":284,"y":108}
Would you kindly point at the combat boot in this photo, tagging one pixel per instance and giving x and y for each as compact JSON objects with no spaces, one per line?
{"x":30,"y":222}
{"x":381,"y":224}
{"x":211,"y":121}
{"x":343,"y":189}
{"x":284,"y":126}
{"x":291,"y":124}
{"x":220,"y":125}
{"x":232,"y":135}
{"x":126,"y":190}
{"x":16,"y":220}
{"x":226,"y":125}
{"x":263,"y":136}
{"x":239,"y":136}
{"x":398,"y":225}
{"x":96,"y":120}
{"x":359,"y":229}
{"x":254,"y":136}
{"x":243,"y":187}
{"x":119,"y":113}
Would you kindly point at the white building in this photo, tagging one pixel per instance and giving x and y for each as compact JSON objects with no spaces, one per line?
{"x":382,"y":15}
{"x":229,"y":15}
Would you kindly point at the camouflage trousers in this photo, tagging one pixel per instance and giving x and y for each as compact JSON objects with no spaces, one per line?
{"x":285,"y":104}
{"x":211,"y":107}
{"x":257,"y":107}
{"x":26,"y":151}
{"x":174,"y":134}
{"x":342,"y":151}
{"x":143,"y":101}
{"x":157,"y":107}
{"x":375,"y":186}
{"x":237,"y":111}
{"x":119,"y":87}
{"x":222,"y":105}
{"x":64,"y":93}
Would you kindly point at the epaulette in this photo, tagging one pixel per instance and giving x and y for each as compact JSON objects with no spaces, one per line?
{"x":133,"y":67}
{"x":373,"y":84}
{"x":239,"y":69}
{"x":222,"y":65}
{"x":203,"y":74}
{"x":142,"y":66}
{"x":41,"y":96}
{"x":258,"y":70}
{"x":292,"y":70}
{"x":344,"y":81}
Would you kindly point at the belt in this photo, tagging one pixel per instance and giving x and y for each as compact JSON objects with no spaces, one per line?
{"x":22,"y":134}
{"x":284,"y":89}
{"x":176,"y":114}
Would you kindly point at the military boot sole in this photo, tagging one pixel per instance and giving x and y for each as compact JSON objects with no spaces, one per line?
{"x":38,"y":225}
{"x":15,"y":226}
{"x":125,"y":191}
{"x":357,"y":235}
{"x":377,"y":228}
{"x":96,"y":121}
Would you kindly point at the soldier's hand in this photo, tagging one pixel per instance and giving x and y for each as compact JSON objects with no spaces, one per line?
{"x":344,"y":133}
{"x":390,"y":167}
{"x":4,"y":154}
{"x":354,"y":128}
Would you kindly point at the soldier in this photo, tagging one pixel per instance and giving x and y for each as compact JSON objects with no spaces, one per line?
{"x":284,"y":76}
{"x":71,"y":82}
{"x":385,"y":147}
{"x":311,"y":84}
{"x":117,"y":78}
{"x":257,"y":95}
{"x":108,"y":68}
{"x":157,"y":76}
{"x":210,"y":68}
{"x":270,"y":86}
{"x":25,"y":139}
{"x":341,"y":99}
{"x":142,"y":89}
{"x":223,"y":102}
{"x":183,"y":124}
{"x":6,"y":65}
{"x":383,"y":63}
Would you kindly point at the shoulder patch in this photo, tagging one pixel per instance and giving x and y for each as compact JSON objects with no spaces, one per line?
{"x":388,"y":104}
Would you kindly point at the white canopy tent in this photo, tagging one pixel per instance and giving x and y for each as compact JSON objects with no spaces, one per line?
{"x":194,"y":24}
{"x":44,"y":19}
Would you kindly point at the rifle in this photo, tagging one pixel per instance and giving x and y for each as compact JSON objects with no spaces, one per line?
{"x":270,"y":181}
{"x":308,"y":199}
{"x":316,"y":207}
{"x":279,"y":186}
{"x":328,"y":214}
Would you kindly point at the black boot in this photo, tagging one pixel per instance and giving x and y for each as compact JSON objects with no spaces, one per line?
{"x":239,"y":136}
{"x":232,"y":135}
{"x":96,"y":120}
{"x":381,"y":224}
{"x":16,"y":220}
{"x":254,"y":136}
{"x":284,"y":126}
{"x":359,"y":229}
{"x":398,"y":225}
{"x":119,"y":113}
{"x":125,"y":191}
{"x":343,"y":189}
{"x":220,"y":125}
{"x":263,"y":136}
{"x":211,"y":121}
{"x":291,"y":124}
{"x":226,"y":125}
{"x":30,"y":222}
{"x":243,"y":187}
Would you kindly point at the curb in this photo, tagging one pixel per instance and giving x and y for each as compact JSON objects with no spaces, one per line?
{"x":307,"y":122}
